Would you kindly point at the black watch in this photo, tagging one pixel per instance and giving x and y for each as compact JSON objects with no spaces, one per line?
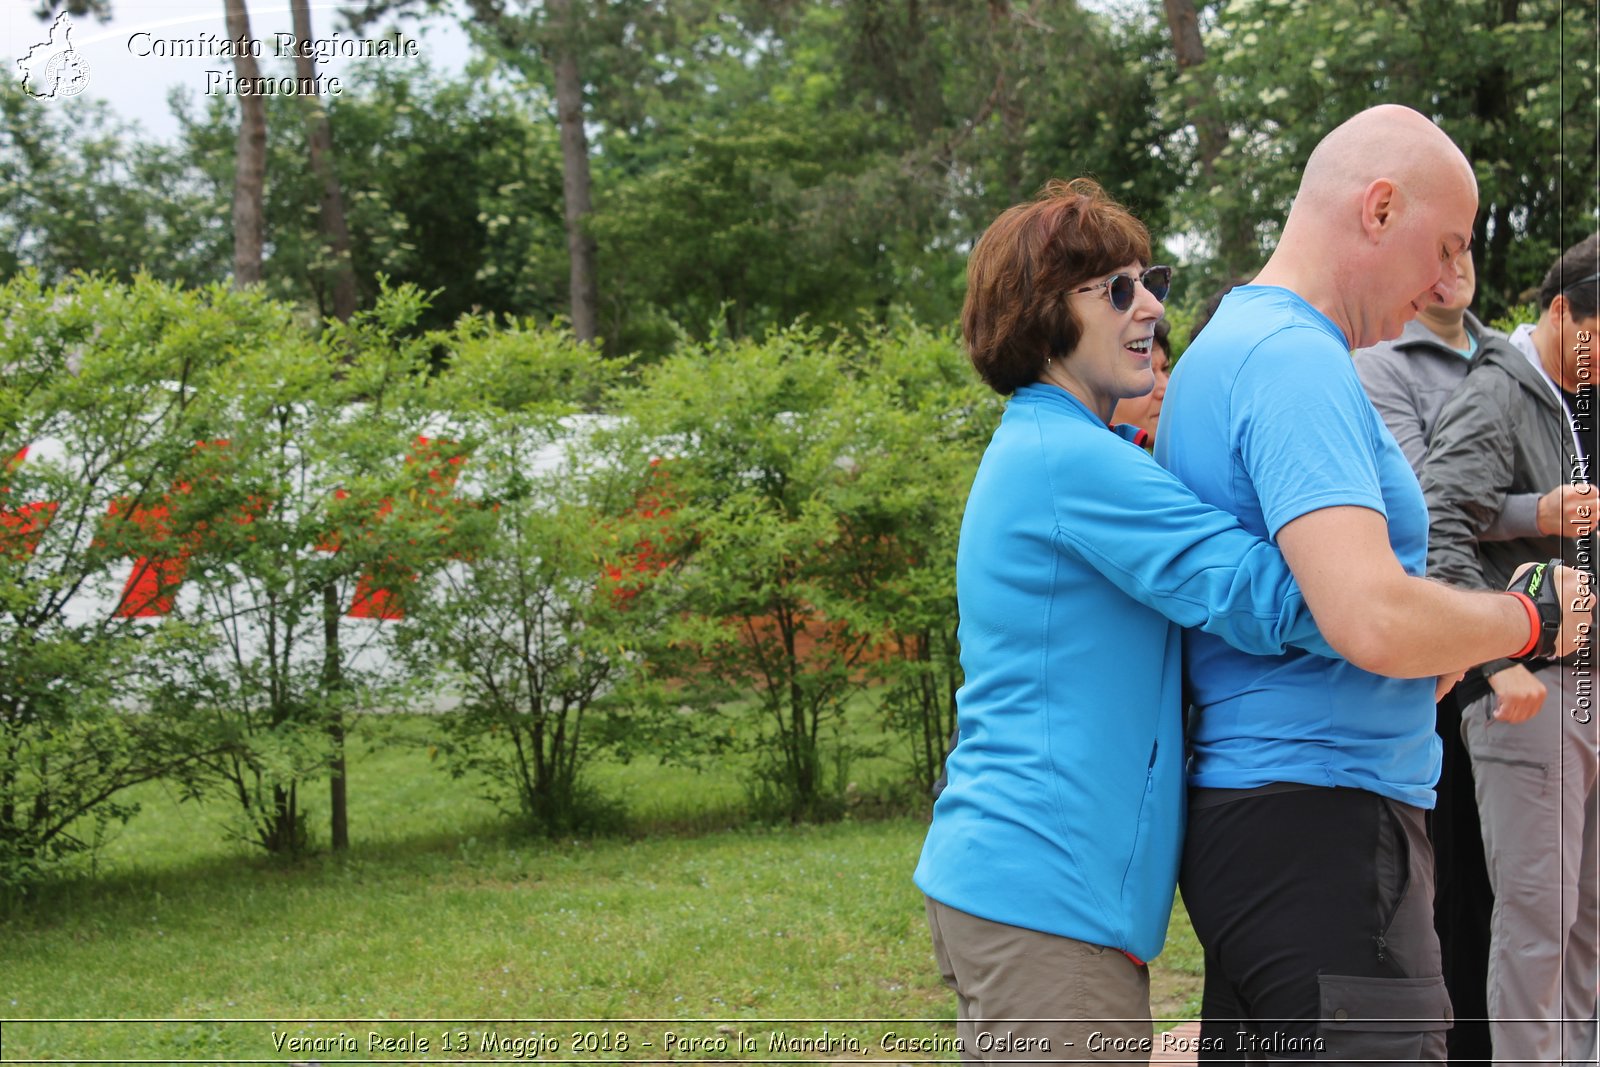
{"x":1538,"y":584}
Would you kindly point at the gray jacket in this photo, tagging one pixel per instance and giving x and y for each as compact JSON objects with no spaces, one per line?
{"x":1503,"y":431}
{"x":1408,"y":381}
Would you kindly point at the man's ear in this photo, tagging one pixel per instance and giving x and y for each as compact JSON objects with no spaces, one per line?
{"x":1380,"y":207}
{"x":1559,"y":307}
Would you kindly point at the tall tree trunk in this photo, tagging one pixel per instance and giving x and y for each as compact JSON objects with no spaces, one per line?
{"x":574,"y":167}
{"x":1184,"y":22}
{"x":331,"y":219}
{"x":1236,"y":244}
{"x":1492,"y":232}
{"x":336,"y":235}
{"x":333,"y":679}
{"x":250,"y":160}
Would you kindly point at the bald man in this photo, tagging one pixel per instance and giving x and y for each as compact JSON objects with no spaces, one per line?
{"x":1307,"y":872}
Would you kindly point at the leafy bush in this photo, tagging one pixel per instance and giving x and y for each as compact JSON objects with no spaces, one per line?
{"x":819,"y":488}
{"x":529,"y":624}
{"x":321,"y":480}
{"x":105,"y":390}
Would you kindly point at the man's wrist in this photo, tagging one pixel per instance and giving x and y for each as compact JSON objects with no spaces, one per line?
{"x":1535,"y":624}
{"x":1536,"y":590}
{"x":1547,"y":515}
{"x":1519,"y":517}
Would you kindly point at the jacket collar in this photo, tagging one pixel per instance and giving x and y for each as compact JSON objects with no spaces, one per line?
{"x":1519,"y":360}
{"x":1056,"y":397}
{"x":1416,"y":335}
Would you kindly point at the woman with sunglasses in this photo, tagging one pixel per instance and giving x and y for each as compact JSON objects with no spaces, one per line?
{"x":1144,"y":412}
{"x":1052,"y":858}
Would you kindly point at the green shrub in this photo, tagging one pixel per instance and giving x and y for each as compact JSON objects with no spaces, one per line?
{"x":106,"y":390}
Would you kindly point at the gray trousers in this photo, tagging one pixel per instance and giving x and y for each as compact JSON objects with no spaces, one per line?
{"x":1026,"y":996}
{"x":1535,"y":784}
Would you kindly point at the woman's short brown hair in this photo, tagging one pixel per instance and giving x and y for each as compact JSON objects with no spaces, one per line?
{"x":1020,"y":276}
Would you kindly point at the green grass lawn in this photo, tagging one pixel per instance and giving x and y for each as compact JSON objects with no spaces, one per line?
{"x":438,"y":912}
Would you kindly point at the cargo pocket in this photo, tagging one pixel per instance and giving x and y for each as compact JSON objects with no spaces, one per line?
{"x":1382,"y":1020}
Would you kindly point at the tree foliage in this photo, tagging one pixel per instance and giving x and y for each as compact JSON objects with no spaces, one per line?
{"x":756,"y":163}
{"x":104,"y":393}
{"x":450,"y":185}
{"x":522,"y":625}
{"x":1513,"y":84}
{"x":79,"y":190}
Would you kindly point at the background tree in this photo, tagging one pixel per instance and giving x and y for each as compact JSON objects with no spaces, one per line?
{"x":105,"y":391}
{"x":79,"y":191}
{"x":853,"y":149}
{"x":851,"y":152}
{"x":340,"y":300}
{"x":487,"y":239}
{"x":1279,"y":74}
{"x":100,"y":9}
{"x":549,"y":44}
{"x":250,"y":153}
{"x":524,"y":625}
{"x":1235,"y":251}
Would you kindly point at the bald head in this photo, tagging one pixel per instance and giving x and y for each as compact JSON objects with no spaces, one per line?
{"x":1385,"y":142}
{"x":1385,"y":210}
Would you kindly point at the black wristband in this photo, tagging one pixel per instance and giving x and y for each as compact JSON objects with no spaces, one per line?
{"x":1538,"y":584}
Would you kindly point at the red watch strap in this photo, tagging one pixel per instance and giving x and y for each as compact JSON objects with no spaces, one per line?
{"x":1535,"y":624}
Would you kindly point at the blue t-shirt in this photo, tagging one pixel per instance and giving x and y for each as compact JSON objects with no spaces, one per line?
{"x":1265,"y":418}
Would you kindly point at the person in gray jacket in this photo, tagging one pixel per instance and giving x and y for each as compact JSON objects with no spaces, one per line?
{"x":1523,"y":420}
{"x":1408,"y":380}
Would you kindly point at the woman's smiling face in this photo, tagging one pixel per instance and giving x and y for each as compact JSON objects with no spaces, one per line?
{"x":1112,"y":358}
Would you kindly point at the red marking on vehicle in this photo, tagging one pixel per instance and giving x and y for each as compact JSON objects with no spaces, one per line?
{"x":21,"y":527}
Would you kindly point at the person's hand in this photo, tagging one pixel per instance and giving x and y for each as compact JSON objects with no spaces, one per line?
{"x":1575,"y":593}
{"x":1566,"y":510}
{"x":1518,"y":694}
{"x":1444,"y":683}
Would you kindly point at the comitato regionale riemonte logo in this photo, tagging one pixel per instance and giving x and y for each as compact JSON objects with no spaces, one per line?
{"x":53,"y":68}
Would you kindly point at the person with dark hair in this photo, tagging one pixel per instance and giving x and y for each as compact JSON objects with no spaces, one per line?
{"x":1144,"y":412}
{"x":1408,"y":379}
{"x":1050,"y":864}
{"x":1522,"y":421}
{"x":1307,"y":871}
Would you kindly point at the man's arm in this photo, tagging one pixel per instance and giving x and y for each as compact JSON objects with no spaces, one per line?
{"x":1564,"y":511}
{"x":1385,"y":621}
{"x":1560,"y":511}
{"x":1383,"y":374}
{"x":1521,"y":515}
{"x":1467,"y":473}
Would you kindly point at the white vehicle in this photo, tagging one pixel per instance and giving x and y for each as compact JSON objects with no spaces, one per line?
{"x":137,"y":587}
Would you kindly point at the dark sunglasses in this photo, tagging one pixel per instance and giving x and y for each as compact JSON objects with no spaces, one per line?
{"x":1119,"y":287}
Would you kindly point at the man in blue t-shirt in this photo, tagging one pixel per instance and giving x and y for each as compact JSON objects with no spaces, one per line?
{"x":1307,"y":872}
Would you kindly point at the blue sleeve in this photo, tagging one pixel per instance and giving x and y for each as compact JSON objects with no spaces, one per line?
{"x":1305,"y":428}
{"x":1151,"y":537}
